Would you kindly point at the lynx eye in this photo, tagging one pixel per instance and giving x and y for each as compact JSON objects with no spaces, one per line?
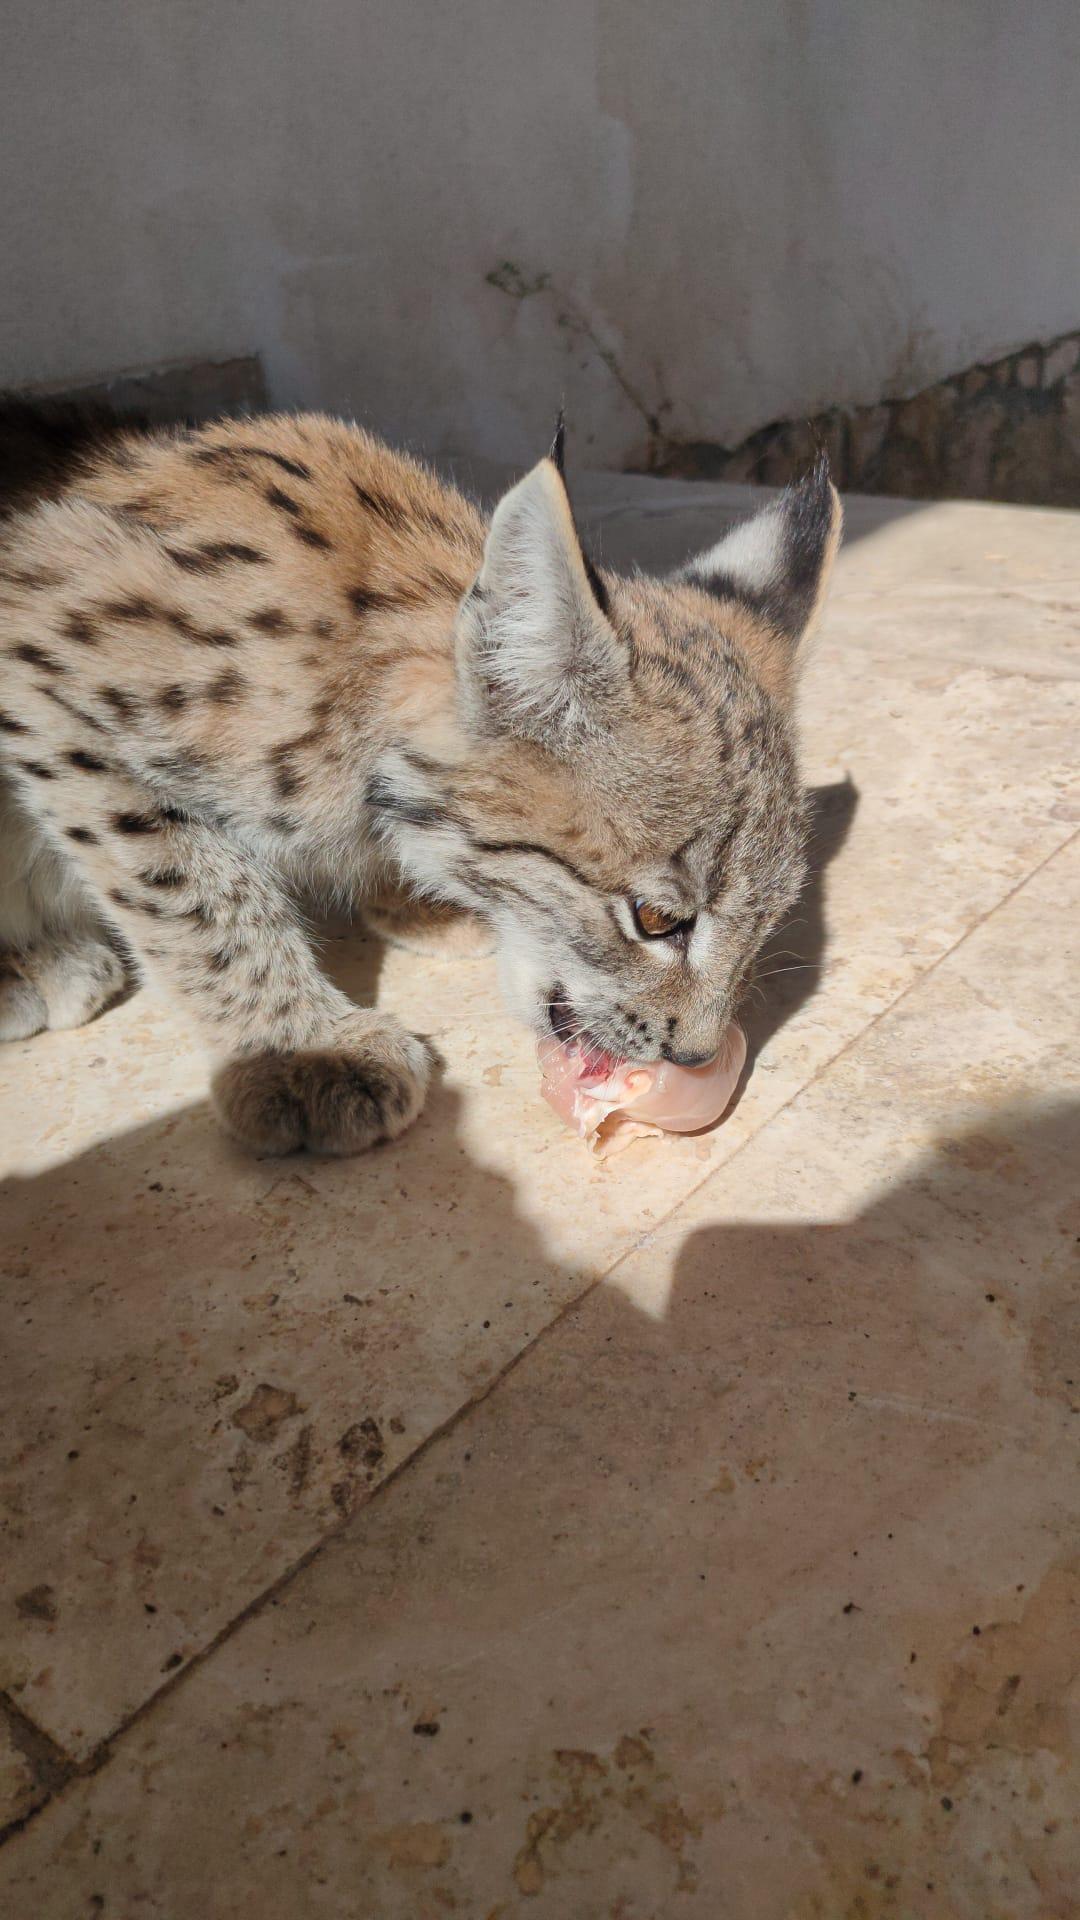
{"x":655,"y":923}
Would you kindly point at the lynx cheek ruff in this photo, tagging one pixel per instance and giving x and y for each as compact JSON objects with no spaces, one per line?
{"x":609,"y":1103}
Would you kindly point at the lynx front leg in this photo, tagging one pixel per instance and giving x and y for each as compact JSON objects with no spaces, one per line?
{"x":62,"y":980}
{"x":57,"y":967}
{"x":304,"y":1067}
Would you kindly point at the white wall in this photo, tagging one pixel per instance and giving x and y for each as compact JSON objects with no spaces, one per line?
{"x":736,"y":210}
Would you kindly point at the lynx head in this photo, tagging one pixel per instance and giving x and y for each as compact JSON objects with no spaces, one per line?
{"x":629,"y":813}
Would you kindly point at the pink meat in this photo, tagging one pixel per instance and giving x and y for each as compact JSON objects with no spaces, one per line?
{"x":664,"y":1097}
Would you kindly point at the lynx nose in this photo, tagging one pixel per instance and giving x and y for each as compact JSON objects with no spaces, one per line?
{"x":686,"y":1059}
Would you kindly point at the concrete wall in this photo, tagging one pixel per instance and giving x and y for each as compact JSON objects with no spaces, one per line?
{"x":687,"y":217}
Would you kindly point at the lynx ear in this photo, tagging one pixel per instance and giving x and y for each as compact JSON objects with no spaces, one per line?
{"x":778,"y":562}
{"x":537,"y":654}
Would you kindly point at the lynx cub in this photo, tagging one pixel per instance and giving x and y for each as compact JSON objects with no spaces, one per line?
{"x":274,"y":653}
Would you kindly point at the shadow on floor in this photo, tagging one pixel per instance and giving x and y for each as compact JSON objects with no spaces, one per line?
{"x":789,"y":968}
{"x":744,"y":1609}
{"x":351,"y":956}
{"x":210,"y":1362}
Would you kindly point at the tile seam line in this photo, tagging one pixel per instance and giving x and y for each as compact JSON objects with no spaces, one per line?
{"x":99,"y":1756}
{"x":711,"y":1173}
{"x":51,"y":1767}
{"x":818,"y":1074}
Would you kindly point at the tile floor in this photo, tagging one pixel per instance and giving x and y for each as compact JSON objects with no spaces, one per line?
{"x":467,"y":1530}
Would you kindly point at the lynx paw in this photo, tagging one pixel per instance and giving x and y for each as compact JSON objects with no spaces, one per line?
{"x":337,"y":1099}
{"x":22,"y":1009}
{"x":57,"y":983}
{"x":429,"y":927}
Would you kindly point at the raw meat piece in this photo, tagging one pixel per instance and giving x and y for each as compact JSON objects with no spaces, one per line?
{"x":613,"y":1102}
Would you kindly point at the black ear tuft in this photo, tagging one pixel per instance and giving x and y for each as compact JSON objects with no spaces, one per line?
{"x":778,"y":561}
{"x":557,"y":456}
{"x":812,"y":513}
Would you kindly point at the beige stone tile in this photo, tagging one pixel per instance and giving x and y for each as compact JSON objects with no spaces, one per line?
{"x":196,"y":1343}
{"x":752,"y":1590}
{"x":957,"y":587}
{"x":937,"y":1079}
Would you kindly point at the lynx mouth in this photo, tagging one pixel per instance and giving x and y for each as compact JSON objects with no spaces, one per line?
{"x":600,"y":1062}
